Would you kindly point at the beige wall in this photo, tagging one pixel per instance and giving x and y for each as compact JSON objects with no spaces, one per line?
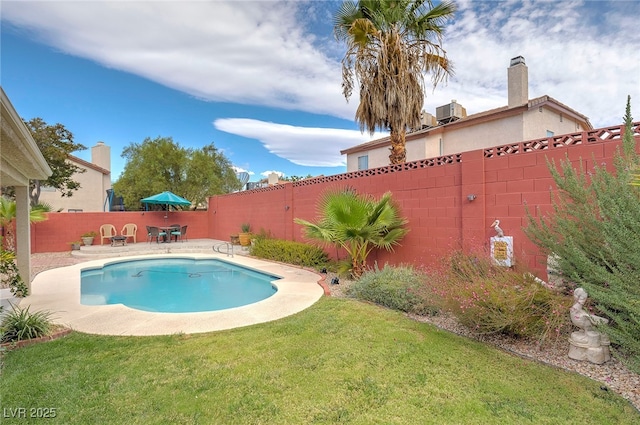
{"x":530,"y":124}
{"x":540,"y":119}
{"x":94,"y":183}
{"x":376,"y":158}
{"x":492,"y":133}
{"x":89,"y":198}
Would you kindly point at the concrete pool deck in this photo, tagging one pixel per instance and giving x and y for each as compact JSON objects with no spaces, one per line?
{"x":58,"y":291}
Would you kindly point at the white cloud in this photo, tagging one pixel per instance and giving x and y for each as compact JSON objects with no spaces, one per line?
{"x":225,"y":51}
{"x":580,"y":53}
{"x":268,"y":172}
{"x":262,"y":53}
{"x":239,"y":170}
{"x":307,"y":146}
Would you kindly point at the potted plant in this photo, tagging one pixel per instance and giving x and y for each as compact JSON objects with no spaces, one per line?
{"x":87,"y":238}
{"x":245,"y":234}
{"x":75,"y":245}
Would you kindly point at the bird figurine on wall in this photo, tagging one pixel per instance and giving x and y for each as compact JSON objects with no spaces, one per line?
{"x":496,"y":227}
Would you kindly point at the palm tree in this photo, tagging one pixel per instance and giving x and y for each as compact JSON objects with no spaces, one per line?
{"x":358,"y":224}
{"x":390,"y":44}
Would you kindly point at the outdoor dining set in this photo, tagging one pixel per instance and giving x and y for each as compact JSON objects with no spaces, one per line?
{"x":129,"y":231}
{"x":166,"y":233}
{"x":159,"y":233}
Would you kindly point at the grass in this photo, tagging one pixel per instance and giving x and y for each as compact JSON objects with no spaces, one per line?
{"x":340,"y":361}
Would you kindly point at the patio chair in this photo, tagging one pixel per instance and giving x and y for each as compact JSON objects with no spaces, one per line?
{"x":180,"y":233}
{"x":107,"y":231}
{"x":129,"y":230}
{"x":155,"y":233}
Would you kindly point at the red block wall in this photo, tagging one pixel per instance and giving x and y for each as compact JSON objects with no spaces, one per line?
{"x":55,"y":234}
{"x":433,"y":195}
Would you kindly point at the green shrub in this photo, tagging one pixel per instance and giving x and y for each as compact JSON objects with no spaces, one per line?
{"x":10,"y":275}
{"x":593,"y":232}
{"x":290,"y":252}
{"x":20,"y":324}
{"x":492,"y":299}
{"x":398,"y":288}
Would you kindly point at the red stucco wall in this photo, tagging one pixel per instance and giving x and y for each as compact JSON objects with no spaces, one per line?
{"x":431,"y":193}
{"x":55,"y":234}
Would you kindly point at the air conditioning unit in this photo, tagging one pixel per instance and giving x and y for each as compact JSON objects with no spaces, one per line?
{"x":450,"y":112}
{"x":427,"y":120}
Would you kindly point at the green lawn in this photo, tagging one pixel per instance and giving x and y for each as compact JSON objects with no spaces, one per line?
{"x":340,"y":361}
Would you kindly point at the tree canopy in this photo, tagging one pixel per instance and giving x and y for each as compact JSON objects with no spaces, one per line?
{"x":390,"y":44}
{"x":160,"y":164}
{"x":56,"y":144}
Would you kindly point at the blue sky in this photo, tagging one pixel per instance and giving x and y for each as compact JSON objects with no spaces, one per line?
{"x":262,"y":81}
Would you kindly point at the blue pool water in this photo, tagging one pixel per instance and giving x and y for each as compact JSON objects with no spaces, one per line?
{"x":175,"y":285}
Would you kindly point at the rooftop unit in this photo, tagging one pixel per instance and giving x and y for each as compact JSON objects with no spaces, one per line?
{"x":450,"y":112}
{"x":427,"y":120}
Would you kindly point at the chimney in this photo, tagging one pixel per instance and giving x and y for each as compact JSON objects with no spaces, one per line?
{"x":101,"y":156}
{"x":518,"y":82}
{"x":272,"y":179}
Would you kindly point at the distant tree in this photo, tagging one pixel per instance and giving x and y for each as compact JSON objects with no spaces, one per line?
{"x":56,"y":144}
{"x":390,"y":45}
{"x":357,"y":223}
{"x":160,"y":164}
{"x":594,"y":231}
{"x":295,"y":178}
{"x":209,"y":173}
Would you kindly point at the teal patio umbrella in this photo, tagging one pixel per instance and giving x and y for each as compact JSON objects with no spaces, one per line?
{"x":166,"y":198}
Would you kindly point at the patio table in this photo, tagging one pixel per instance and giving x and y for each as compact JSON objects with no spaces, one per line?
{"x":167,"y":230}
{"x":118,"y":240}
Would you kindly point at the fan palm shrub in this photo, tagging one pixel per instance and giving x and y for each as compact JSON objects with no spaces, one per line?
{"x":357,"y":223}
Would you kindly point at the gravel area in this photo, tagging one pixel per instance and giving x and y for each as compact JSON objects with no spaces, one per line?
{"x":613,"y":375}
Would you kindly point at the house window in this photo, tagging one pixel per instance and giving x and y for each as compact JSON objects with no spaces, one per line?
{"x":47,"y":189}
{"x":363,"y":162}
{"x":549,"y":133}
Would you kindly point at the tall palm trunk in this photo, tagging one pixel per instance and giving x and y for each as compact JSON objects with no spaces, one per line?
{"x":398,"y":153}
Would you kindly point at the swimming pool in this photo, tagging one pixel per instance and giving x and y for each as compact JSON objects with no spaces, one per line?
{"x":58,"y":290}
{"x":175,"y":285}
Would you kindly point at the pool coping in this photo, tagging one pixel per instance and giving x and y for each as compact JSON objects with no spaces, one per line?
{"x":58,"y":291}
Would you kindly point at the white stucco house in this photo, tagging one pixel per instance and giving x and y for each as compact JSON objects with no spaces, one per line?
{"x":21,"y":161}
{"x":452,"y":131}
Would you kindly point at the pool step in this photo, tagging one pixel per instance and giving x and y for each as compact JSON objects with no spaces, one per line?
{"x":145,"y":248}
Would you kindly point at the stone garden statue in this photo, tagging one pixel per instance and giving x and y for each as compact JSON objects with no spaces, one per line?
{"x":587,"y":343}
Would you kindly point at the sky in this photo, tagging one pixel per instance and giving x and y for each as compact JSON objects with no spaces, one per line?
{"x":261,"y":79}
